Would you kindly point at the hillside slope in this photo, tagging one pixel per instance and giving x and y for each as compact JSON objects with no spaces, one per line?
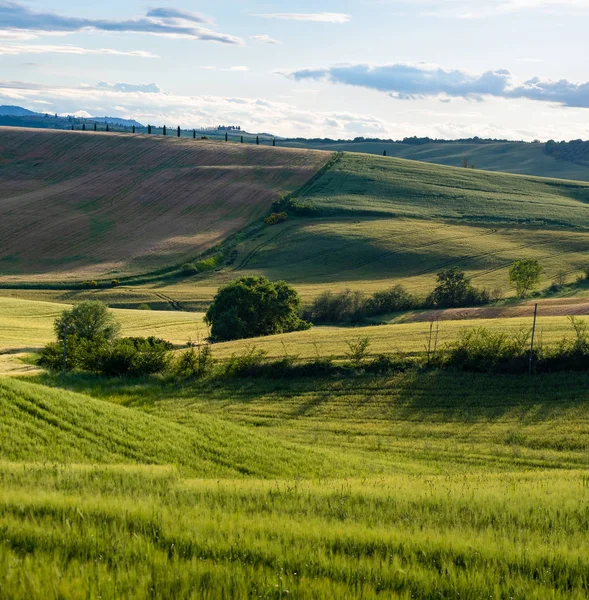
{"x":508,"y":157}
{"x":77,"y":205}
{"x":38,"y":424}
{"x":374,"y":221}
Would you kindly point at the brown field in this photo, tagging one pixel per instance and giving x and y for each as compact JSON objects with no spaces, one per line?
{"x":76,"y":205}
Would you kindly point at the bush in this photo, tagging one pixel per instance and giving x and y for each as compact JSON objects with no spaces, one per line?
{"x":90,"y":284}
{"x":485,"y":351}
{"x":115,"y":282}
{"x":276,"y":218}
{"x":133,"y":357}
{"x":385,"y":364}
{"x":189,"y":269}
{"x":389,"y":301}
{"x":246,"y":364}
{"x":144,"y":306}
{"x":339,"y":307}
{"x":454,"y":290}
{"x":197,"y":361}
{"x":358,"y":351}
{"x":570,"y":354}
{"x":252,"y":307}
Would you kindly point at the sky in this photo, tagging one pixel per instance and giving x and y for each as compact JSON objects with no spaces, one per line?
{"x":512,"y":69}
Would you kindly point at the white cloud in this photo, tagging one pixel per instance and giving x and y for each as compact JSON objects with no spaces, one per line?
{"x":282,"y":118}
{"x":126,"y":88}
{"x":409,"y":82}
{"x":17,"y":49}
{"x":264,"y":39}
{"x":323,"y":17}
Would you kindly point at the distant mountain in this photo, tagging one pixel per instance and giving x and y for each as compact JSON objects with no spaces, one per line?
{"x":116,"y":121}
{"x":16,"y":111}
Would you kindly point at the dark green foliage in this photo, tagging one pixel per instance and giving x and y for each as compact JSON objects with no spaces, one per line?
{"x":90,"y":320}
{"x":189,"y":269}
{"x":246,"y":364}
{"x":353,"y":307}
{"x":254,"y":306}
{"x":197,"y":361}
{"x":358,"y":351}
{"x":524,"y":275}
{"x":395,"y":299}
{"x":133,"y":357}
{"x":276,"y":218}
{"x":115,"y":282}
{"x":570,"y":354}
{"x":575,"y":151}
{"x":339,"y":307}
{"x":484,"y":351}
{"x":454,"y":290}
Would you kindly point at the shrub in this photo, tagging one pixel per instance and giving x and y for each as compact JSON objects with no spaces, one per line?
{"x":144,"y":306}
{"x":276,"y":218}
{"x":389,"y":301}
{"x":454,"y":290}
{"x":90,"y":284}
{"x":115,"y":282}
{"x":481,"y":350}
{"x":570,"y":354}
{"x":338,"y":307}
{"x":254,"y":306}
{"x":385,"y":364}
{"x":197,"y":361}
{"x":248,"y":363}
{"x":358,"y":351}
{"x":189,"y":269}
{"x":133,"y":357}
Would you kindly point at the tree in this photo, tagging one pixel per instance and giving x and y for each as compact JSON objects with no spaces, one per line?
{"x":254,"y":306}
{"x":524,"y":275}
{"x":454,"y":289}
{"x":179,"y":131}
{"x":89,"y":320}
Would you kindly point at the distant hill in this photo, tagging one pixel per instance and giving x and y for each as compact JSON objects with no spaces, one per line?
{"x":567,"y":160}
{"x":17,"y":111}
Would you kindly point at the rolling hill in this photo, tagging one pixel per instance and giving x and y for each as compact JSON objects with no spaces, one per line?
{"x":509,"y":157}
{"x":38,"y":424}
{"x":372,"y":221}
{"x":78,"y":205}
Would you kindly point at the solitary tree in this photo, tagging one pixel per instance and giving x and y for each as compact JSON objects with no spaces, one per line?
{"x":149,"y":130}
{"x":194,"y":134}
{"x":453,"y":290}
{"x":89,"y":320}
{"x":107,"y":127}
{"x":384,"y":153}
{"x":242,"y":139}
{"x":254,"y":306}
{"x":164,"y":130}
{"x":274,"y":142}
{"x":524,"y":275}
{"x":95,"y":126}
{"x":179,"y":131}
{"x":257,"y":140}
{"x":226,"y":137}
{"x":133,"y":128}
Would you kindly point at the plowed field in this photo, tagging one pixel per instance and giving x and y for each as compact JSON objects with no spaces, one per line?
{"x":77,"y":205}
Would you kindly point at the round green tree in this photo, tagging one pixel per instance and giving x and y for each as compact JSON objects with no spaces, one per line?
{"x":252,"y":307}
{"x":524,"y":275}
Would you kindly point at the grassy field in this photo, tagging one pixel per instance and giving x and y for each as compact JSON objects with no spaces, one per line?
{"x":79,"y":205}
{"x":29,"y":324}
{"x":440,"y":486}
{"x":508,"y":157}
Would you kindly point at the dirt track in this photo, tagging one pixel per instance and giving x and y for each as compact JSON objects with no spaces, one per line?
{"x":554,"y":307}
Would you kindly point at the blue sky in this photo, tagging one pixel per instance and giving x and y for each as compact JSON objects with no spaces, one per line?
{"x":385,"y":68}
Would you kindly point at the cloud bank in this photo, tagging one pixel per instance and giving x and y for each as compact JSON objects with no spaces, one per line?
{"x":15,"y":17}
{"x":421,"y":81}
{"x":17,"y":49}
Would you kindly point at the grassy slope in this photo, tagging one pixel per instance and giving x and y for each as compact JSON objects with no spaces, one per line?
{"x":509,"y":157}
{"x":42,"y":425}
{"x":76,"y":205}
{"x":482,"y":491}
{"x":389,"y":220}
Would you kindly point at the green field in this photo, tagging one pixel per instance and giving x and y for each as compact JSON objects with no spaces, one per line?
{"x":419,"y":485}
{"x":508,"y":157}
